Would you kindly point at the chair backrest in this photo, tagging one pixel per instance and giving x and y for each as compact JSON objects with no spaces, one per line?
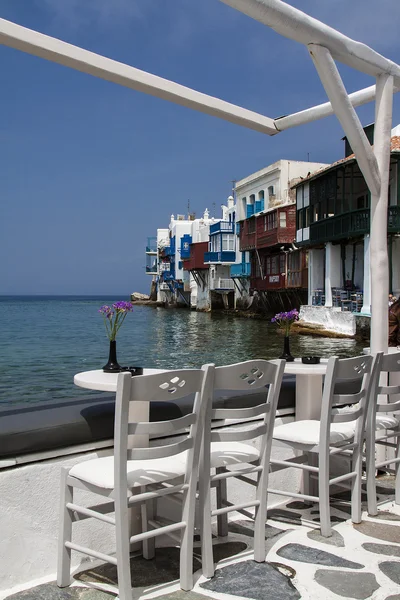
{"x":388,"y":363}
{"x":246,"y":376}
{"x":342,"y":408}
{"x":132,"y":427}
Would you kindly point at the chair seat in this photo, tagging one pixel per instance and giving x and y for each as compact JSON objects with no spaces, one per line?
{"x":100,"y":471}
{"x":232,"y":453}
{"x":386,"y":422}
{"x":307,"y":432}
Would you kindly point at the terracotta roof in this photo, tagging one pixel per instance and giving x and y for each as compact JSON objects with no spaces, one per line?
{"x":394,"y":147}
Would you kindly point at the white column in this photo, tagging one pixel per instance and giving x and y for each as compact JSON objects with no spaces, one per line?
{"x":379,"y":209}
{"x":332,"y":270}
{"x":366,"y":307}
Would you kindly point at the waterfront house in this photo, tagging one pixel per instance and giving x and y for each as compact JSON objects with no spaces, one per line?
{"x":276,"y":270}
{"x":333,"y":224}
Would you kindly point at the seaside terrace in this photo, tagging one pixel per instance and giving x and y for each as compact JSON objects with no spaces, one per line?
{"x":359,"y":560}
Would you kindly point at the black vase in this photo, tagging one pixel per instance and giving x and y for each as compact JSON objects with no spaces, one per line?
{"x":286,"y":350}
{"x":112,"y":366}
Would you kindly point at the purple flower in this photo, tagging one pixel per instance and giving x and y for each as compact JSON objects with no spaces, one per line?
{"x":123,"y":306}
{"x":113,"y":320}
{"x":106,"y":311}
{"x":286,"y":319}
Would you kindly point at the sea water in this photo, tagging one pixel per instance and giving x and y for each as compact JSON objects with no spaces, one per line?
{"x":46,"y":340}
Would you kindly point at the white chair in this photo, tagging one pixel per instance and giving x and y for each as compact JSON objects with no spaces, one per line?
{"x":340,"y":431}
{"x":383,"y":427}
{"x":223,"y":448}
{"x":124,"y":478}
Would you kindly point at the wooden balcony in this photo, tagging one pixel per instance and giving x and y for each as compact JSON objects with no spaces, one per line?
{"x":196,"y":259}
{"x":269,"y":229}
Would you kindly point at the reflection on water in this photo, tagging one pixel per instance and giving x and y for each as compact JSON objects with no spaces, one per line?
{"x":48,"y":340}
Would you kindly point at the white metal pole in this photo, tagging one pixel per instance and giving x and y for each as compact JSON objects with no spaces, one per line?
{"x":337,"y":94}
{"x":49,"y":48}
{"x":379,"y":210}
{"x":325,"y":110}
{"x":297,"y":25}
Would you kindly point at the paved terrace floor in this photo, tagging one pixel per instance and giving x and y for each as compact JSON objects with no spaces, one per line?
{"x":358,"y":561}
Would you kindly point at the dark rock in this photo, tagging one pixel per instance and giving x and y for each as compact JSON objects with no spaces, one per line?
{"x":181,"y":595}
{"x":297,"y":505}
{"x":164,"y":568}
{"x":335,"y":540}
{"x":258,"y":581}
{"x":284,"y":516}
{"x":334,"y":519}
{"x":384,"y":515}
{"x":50,"y":591}
{"x":391,"y":569}
{"x":382,"y":549}
{"x":345,"y":508}
{"x":380,"y":531}
{"x":247,"y":528}
{"x":227,"y":549}
{"x":306,"y":554}
{"x":348,"y":585}
{"x":395,"y":597}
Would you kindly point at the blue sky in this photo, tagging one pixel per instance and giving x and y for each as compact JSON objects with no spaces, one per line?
{"x":89,"y":170}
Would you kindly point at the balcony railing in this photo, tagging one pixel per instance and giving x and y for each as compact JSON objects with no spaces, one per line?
{"x":241,"y":270}
{"x":351,"y":224}
{"x":220,"y":257}
{"x":222,"y":284}
{"x":151,"y":249}
{"x":222,"y":226}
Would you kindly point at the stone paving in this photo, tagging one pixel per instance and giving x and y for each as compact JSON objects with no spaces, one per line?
{"x":358,"y":561}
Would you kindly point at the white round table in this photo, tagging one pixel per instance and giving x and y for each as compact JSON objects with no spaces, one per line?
{"x":309,"y":381}
{"x":104,"y":382}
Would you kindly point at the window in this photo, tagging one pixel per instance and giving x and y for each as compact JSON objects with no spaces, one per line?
{"x":306,"y":219}
{"x":251,"y":227}
{"x":228,"y":242}
{"x":271,"y":191}
{"x":299,"y":219}
{"x":282,"y":218}
{"x":215,"y":243}
{"x":282,"y":260}
{"x":261,"y":195}
{"x":252,"y":198}
{"x":274,"y":265}
{"x":271,"y":220}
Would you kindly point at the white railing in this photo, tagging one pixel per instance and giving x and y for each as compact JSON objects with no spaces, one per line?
{"x":222,"y":284}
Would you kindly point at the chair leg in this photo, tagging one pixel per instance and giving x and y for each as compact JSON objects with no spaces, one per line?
{"x":122,"y":534}
{"x":147,"y":512}
{"x":261,"y":517}
{"x":207,"y":556}
{"x":356,"y":487}
{"x":324,"y":507}
{"x":222,"y":496}
{"x":65,"y":532}
{"x":186,"y":555}
{"x":371,"y":483}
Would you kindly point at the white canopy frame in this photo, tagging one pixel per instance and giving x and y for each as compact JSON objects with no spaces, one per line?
{"x":325,"y":45}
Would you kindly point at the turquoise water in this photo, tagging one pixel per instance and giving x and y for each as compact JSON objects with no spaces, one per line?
{"x":45,"y":340}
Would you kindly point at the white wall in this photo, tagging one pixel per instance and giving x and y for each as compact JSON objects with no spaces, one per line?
{"x":280,"y":174}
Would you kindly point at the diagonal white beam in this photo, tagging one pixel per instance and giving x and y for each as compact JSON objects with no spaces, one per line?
{"x":38,"y":44}
{"x":325,"y":110}
{"x":337,"y":94}
{"x":296,"y":25}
